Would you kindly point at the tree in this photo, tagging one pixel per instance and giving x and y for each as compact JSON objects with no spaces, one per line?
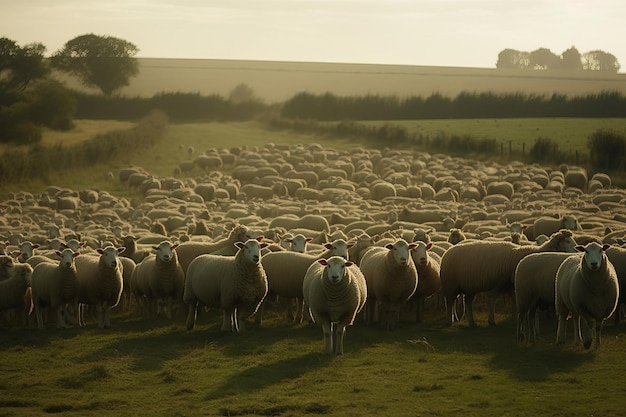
{"x":572,"y":60}
{"x":544,"y":59}
{"x":242,"y":93}
{"x":104,"y":62}
{"x":512,"y":59}
{"x":600,"y":61}
{"x":20,"y":66}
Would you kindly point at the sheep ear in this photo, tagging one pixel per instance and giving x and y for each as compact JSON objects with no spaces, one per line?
{"x":309,"y":239}
{"x":429,"y":245}
{"x":605,"y":247}
{"x":57,"y":253}
{"x":76,"y":254}
{"x":263,"y":245}
{"x":389,"y":246}
{"x":174,"y":246}
{"x":100,"y":251}
{"x":348,"y":263}
{"x":579,"y":248}
{"x":36,"y":245}
{"x":260,"y":238}
{"x":155,"y":248}
{"x":121,"y":249}
{"x":322,"y":261}
{"x":328,"y":245}
{"x":412,"y":246}
{"x":239,"y":245}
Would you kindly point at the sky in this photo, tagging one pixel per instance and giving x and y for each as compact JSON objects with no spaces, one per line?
{"x":456,"y":33}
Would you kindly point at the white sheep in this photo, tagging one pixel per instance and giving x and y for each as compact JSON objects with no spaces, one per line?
{"x":188,"y":251}
{"x":26,"y":250}
{"x":236,"y":284}
{"x":335,"y":291}
{"x":159,"y":279}
{"x":391,"y":279}
{"x":14,"y":291}
{"x":285,"y":273}
{"x":55,"y":286}
{"x":587,"y":288}
{"x":298,"y":243}
{"x":534,"y":288}
{"x":100,"y":283}
{"x":473,"y":267}
{"x":429,"y":282}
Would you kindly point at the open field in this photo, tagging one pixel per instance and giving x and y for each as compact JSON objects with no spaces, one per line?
{"x":158,"y":368}
{"x":278,"y":81}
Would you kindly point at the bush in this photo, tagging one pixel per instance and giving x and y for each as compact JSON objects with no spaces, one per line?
{"x":51,"y":105}
{"x":607,"y":149}
{"x":544,"y":149}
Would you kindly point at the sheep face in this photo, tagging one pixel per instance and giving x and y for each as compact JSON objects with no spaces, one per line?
{"x":594,"y":255}
{"x":110,"y":255}
{"x":298,"y":243}
{"x":421,"y":235}
{"x":401,"y":251}
{"x":23,"y":271}
{"x":165,"y":251}
{"x":564,"y":240}
{"x":570,"y":222}
{"x":420,"y":254}
{"x":6,"y":263}
{"x":252,"y":249}
{"x":74,"y":244}
{"x":338,"y":248}
{"x":27,"y":249}
{"x":67,"y":257}
{"x":335,"y":268}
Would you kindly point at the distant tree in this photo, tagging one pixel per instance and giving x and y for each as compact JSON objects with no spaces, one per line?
{"x":512,"y":59}
{"x":104,"y":62}
{"x":544,"y":59}
{"x":600,"y":61}
{"x":242,"y":93}
{"x":572,"y":60}
{"x":20,"y":66}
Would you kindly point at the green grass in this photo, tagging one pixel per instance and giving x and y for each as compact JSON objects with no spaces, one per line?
{"x":158,"y":368}
{"x":571,"y":134}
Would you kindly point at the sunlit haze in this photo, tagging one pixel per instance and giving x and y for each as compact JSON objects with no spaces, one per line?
{"x":461,"y":33}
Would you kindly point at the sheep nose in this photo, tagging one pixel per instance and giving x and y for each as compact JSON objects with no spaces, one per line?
{"x":255,"y":258}
{"x":594,"y":266}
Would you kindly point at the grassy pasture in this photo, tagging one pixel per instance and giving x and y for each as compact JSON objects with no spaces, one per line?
{"x":275,"y":81}
{"x":158,"y":368}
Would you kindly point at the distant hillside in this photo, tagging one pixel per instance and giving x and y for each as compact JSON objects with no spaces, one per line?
{"x":277,"y":81}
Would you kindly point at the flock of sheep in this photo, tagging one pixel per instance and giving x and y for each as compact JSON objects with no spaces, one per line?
{"x":340,"y":236}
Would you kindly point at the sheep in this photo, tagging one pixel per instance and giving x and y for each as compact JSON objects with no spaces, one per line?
{"x":159,"y":279}
{"x":100,"y":283}
{"x":617,"y":256}
{"x":391,"y":278}
{"x":534,"y":282}
{"x":55,"y":286}
{"x":548,"y":225}
{"x":469,"y":268}
{"x":6,"y":265}
{"x":188,"y":251}
{"x":335,"y":291}
{"x":26,"y":250}
{"x":133,"y":250}
{"x":236,"y":284}
{"x":587,"y":288}
{"x":285,"y":272}
{"x":14,"y":291}
{"x":298,"y":243}
{"x":429,"y":281}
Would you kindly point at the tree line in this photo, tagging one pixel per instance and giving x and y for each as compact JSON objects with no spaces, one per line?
{"x":571,"y":60}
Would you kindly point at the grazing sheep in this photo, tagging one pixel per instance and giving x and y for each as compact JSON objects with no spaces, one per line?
{"x":236,"y":284}
{"x":391,"y":279}
{"x":488,"y":266}
{"x":335,"y":291}
{"x":14,"y":291}
{"x":286,"y":270}
{"x":429,"y":281}
{"x":587,"y":288}
{"x":100,"y":283}
{"x":534,"y":288}
{"x":159,"y":279}
{"x":188,"y":251}
{"x":55,"y":286}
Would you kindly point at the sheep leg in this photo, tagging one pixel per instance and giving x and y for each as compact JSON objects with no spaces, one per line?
{"x":560,"y":331}
{"x":328,"y":340}
{"x":576,"y":320}
{"x":492,"y":310}
{"x":586,"y":329}
{"x":339,"y":331}
{"x":469,"y":309}
{"x":192,"y":314}
{"x":60,"y":317}
{"x":228,"y":324}
{"x":598,"y":331}
{"x":39,"y":315}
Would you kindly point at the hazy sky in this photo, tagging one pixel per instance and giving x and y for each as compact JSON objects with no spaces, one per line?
{"x":467,"y":33}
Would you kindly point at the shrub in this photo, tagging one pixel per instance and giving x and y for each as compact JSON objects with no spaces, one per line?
{"x":544,"y":149}
{"x":607,"y":149}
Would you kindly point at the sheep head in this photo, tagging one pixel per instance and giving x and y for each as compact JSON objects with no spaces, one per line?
{"x":593,"y":256}
{"x":335,"y":268}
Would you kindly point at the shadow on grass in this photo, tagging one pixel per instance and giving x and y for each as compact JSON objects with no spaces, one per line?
{"x":260,"y":377}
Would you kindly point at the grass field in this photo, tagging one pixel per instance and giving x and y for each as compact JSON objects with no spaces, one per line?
{"x":158,"y":368}
{"x":276,"y":81}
